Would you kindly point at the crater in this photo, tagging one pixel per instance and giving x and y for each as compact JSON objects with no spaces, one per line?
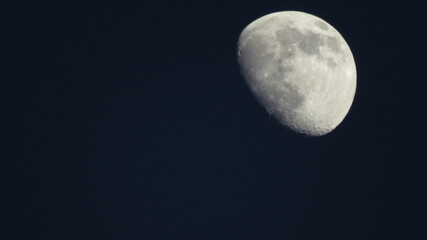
{"x":321,"y":25}
{"x":331,"y":63}
{"x":288,"y":53}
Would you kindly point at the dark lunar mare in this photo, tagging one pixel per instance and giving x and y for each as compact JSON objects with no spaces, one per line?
{"x":310,"y":43}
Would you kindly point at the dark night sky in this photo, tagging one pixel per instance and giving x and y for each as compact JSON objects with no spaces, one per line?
{"x":130,"y":120}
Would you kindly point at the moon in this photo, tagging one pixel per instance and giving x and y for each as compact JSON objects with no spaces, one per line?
{"x":300,"y":69}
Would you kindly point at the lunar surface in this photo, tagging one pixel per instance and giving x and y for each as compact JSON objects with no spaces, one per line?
{"x":300,"y":69}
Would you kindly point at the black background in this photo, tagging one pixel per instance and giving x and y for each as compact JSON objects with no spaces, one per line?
{"x":130,"y":120}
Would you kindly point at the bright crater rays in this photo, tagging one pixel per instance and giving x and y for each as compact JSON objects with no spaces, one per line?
{"x":300,"y":69}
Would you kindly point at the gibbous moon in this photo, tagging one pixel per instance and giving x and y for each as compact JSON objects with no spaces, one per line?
{"x":300,"y":69}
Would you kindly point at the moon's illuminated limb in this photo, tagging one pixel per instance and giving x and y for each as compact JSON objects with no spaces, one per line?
{"x":300,"y":68}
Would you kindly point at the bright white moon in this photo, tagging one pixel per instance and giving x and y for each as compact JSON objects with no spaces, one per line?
{"x":300,"y":69}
